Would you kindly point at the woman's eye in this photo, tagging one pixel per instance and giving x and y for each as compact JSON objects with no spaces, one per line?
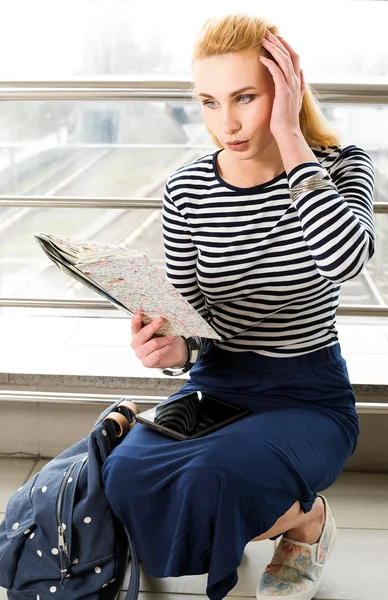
{"x":246,"y":98}
{"x":209,"y":102}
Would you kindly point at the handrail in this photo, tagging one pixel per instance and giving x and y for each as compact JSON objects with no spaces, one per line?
{"x":92,"y":202}
{"x":74,"y":398}
{"x":165,"y":90}
{"x":107,"y":202}
{"x":358,"y":310}
{"x":364,"y":408}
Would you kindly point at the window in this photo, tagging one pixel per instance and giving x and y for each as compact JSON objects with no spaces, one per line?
{"x":74,"y":155}
{"x":343,"y":42}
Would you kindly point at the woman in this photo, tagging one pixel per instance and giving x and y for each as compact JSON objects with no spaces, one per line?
{"x":258,"y":237}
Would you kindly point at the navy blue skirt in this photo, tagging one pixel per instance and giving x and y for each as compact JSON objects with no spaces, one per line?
{"x":192,"y":506}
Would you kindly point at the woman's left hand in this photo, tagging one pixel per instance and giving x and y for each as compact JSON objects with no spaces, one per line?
{"x":289,"y":85}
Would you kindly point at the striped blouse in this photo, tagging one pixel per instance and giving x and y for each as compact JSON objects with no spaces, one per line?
{"x":265,"y":272}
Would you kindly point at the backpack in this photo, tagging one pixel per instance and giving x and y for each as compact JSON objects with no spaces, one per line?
{"x":60,"y":538}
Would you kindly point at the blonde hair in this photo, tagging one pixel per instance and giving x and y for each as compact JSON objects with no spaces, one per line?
{"x":239,"y":32}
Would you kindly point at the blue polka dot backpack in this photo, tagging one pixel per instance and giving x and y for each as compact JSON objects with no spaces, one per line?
{"x":60,"y":538}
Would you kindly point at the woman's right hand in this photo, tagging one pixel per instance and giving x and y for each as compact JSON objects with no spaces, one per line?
{"x":156,"y":352}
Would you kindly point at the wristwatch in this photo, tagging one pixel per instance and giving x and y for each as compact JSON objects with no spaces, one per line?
{"x":192,"y":352}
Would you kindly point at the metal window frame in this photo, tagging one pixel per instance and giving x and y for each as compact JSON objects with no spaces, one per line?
{"x":157,"y":90}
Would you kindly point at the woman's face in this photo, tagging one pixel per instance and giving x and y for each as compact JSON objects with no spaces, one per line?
{"x":231,"y":116}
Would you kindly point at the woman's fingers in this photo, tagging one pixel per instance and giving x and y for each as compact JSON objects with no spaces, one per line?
{"x":142,"y":332}
{"x":156,"y":351}
{"x":288,"y":84}
{"x":136,"y":323}
{"x":153,"y":351}
{"x":285,"y":56}
{"x":276,"y":72}
{"x":302,"y":83}
{"x":294,"y":56}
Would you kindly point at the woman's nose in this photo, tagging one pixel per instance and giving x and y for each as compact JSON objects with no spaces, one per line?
{"x":230,"y":123}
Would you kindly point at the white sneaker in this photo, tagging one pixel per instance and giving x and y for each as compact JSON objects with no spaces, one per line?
{"x":296,"y":568}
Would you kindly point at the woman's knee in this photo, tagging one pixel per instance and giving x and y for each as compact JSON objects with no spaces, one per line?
{"x":118,"y":480}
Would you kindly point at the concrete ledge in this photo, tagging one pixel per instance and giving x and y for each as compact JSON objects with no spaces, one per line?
{"x":100,"y":384}
{"x":94,"y":354}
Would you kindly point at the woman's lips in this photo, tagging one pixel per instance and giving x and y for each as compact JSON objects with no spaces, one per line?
{"x":237,"y":145}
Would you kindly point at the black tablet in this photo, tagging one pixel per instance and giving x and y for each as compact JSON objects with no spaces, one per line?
{"x":191,"y":416}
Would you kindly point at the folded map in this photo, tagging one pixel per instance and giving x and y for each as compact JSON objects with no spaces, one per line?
{"x":128,"y":279}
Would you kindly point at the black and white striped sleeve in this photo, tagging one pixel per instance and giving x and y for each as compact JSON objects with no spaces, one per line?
{"x":180,"y":254}
{"x":338,"y":227}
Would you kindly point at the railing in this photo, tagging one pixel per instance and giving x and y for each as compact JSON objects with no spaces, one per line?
{"x":152,"y":90}
{"x":360,"y":310}
{"x":164,"y":90}
{"x":73,"y":202}
{"x":364,"y":408}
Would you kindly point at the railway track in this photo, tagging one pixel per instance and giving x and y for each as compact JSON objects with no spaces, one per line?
{"x":35,"y":276}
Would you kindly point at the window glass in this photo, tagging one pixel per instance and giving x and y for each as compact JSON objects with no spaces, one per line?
{"x":100,"y":149}
{"x":342,"y":40}
{"x":81,"y":150}
{"x":124,"y":149}
{"x":26,"y":272}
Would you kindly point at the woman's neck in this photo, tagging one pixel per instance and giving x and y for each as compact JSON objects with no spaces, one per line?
{"x":250,"y":172}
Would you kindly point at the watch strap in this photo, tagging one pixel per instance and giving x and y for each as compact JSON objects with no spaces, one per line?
{"x":192,"y":355}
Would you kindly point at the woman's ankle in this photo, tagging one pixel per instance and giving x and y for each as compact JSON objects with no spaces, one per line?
{"x":310,"y":531}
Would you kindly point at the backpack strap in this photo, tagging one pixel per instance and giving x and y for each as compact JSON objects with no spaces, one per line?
{"x":134,"y":580}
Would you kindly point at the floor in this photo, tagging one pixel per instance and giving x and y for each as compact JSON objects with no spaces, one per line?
{"x":357,"y":569}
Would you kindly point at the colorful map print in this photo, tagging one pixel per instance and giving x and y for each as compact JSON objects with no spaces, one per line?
{"x":130,"y":278}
